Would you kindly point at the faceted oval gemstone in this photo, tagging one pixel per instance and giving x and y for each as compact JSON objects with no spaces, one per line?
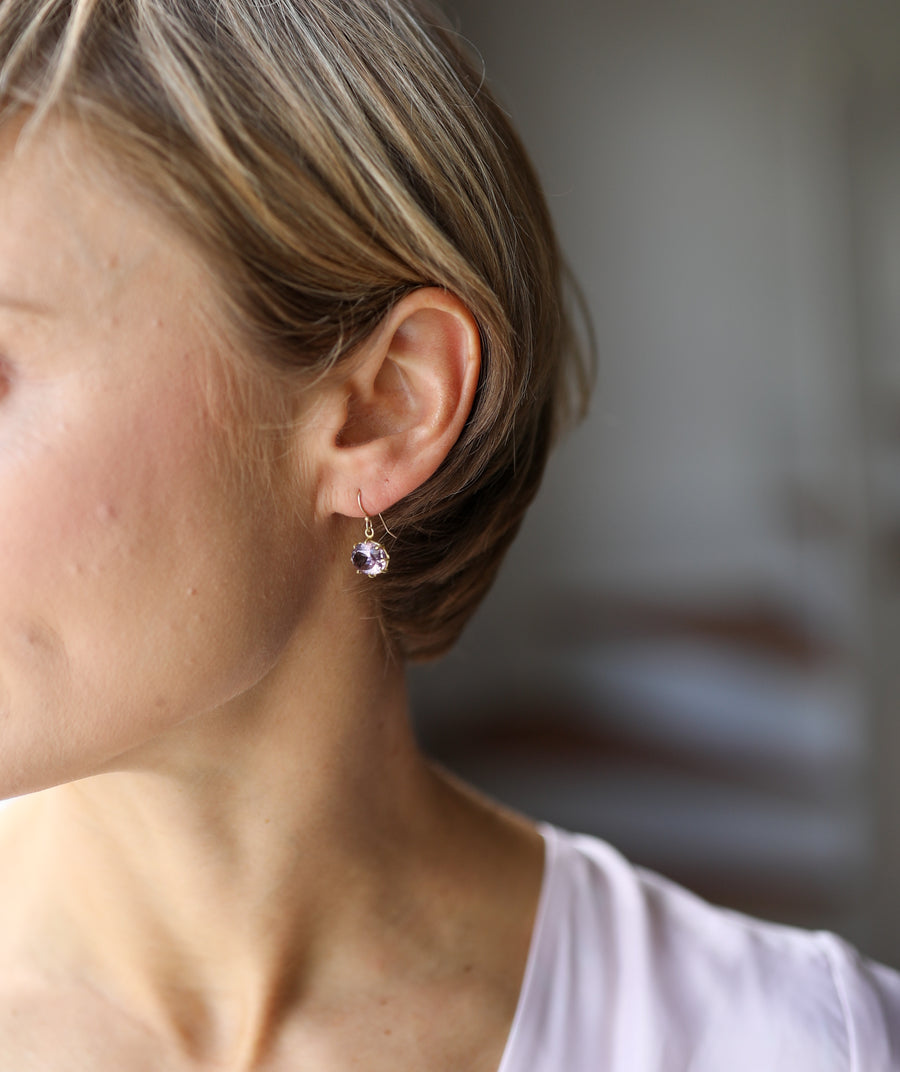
{"x":369,"y":558}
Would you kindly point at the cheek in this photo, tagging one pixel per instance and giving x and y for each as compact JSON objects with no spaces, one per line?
{"x":79,"y":494}
{"x":136,"y":581}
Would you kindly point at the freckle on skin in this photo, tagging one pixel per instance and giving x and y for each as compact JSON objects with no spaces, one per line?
{"x":37,"y":636}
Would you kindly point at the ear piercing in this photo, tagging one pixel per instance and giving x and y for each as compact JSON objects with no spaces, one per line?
{"x":369,"y":557}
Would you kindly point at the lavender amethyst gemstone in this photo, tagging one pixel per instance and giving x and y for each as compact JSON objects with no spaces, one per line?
{"x":369,"y":558}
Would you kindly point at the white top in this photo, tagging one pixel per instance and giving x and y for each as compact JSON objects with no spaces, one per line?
{"x":630,"y":973}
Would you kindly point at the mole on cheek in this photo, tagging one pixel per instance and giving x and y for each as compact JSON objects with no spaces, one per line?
{"x":37,"y":637}
{"x":105,"y":513}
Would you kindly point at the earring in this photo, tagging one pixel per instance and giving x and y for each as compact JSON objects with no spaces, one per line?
{"x":369,"y":557}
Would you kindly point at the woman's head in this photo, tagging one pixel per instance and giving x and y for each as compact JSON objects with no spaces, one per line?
{"x":328,"y":158}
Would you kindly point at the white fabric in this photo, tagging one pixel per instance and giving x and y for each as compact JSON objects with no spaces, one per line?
{"x":630,"y":973}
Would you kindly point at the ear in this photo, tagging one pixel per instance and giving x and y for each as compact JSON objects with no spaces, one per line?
{"x":391,"y":418}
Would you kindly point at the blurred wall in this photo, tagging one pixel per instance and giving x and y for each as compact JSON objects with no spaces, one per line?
{"x":690,"y":647}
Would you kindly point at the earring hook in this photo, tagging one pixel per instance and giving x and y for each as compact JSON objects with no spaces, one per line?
{"x":365,"y":513}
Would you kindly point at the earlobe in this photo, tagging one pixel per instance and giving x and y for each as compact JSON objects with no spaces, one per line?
{"x":406,"y":400}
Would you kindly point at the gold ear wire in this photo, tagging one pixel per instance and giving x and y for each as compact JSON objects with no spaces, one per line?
{"x":370,"y":532}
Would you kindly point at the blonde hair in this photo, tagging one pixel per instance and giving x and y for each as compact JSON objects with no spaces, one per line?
{"x":329,"y":156}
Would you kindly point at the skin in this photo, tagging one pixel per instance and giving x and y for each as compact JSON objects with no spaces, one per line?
{"x":232,"y":856}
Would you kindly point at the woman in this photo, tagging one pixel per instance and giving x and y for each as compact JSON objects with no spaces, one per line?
{"x":279,"y":303}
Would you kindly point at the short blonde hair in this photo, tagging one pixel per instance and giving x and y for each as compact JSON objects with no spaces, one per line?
{"x":329,"y":156}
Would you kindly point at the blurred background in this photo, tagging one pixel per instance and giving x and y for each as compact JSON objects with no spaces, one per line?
{"x":694,"y":648}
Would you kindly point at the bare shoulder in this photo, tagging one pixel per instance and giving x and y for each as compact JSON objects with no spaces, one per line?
{"x":493,"y":860}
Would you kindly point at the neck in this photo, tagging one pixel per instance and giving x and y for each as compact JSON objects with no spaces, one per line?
{"x":275,"y":833}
